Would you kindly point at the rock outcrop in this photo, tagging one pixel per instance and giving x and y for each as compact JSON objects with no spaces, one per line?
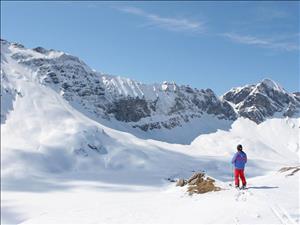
{"x":198,"y":183}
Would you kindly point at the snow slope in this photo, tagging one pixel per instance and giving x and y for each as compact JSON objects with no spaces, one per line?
{"x":60,"y":166}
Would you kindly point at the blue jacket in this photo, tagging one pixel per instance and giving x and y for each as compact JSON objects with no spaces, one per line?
{"x":239,"y":160}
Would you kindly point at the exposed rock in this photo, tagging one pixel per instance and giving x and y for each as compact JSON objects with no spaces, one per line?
{"x":291,"y":110}
{"x":40,"y":50}
{"x":148,"y":126}
{"x":181,"y":182}
{"x":171,"y":123}
{"x":198,"y":183}
{"x":196,"y":177}
{"x":171,"y":180}
{"x":236,"y":96}
{"x":188,"y":89}
{"x":130,"y":109}
{"x":18,"y":45}
{"x":178,"y":106}
{"x":53,"y":77}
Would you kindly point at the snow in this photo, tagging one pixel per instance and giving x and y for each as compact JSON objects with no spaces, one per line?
{"x":278,"y":137}
{"x":270,"y":199}
{"x":34,"y":54}
{"x":60,"y":166}
{"x":8,"y":95}
{"x":131,"y":88}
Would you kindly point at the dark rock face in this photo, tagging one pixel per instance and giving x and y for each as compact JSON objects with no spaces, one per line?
{"x":129,"y":109}
{"x":40,"y":50}
{"x":52,"y":77}
{"x":213,"y":105}
{"x":291,"y":110}
{"x":178,"y":106}
{"x":149,"y":126}
{"x":228,"y":111}
{"x":238,"y":97}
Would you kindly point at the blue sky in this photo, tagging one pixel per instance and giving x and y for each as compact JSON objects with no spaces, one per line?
{"x":215,"y":45}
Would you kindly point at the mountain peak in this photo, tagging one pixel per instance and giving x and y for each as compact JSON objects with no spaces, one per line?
{"x":169,"y":86}
{"x":263,"y":100}
{"x":270,"y":84}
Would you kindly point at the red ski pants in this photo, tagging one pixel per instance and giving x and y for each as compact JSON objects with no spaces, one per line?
{"x":239,"y":173}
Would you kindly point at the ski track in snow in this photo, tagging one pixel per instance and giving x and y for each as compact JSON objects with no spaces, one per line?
{"x":280,"y":213}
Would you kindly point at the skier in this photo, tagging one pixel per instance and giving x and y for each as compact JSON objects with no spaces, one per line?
{"x":239,"y":160}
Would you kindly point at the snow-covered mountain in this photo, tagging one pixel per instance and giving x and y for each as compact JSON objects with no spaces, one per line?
{"x":263,"y":100}
{"x":146,"y":110}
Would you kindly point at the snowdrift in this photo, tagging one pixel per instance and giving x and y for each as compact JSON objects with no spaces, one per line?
{"x":275,"y":139}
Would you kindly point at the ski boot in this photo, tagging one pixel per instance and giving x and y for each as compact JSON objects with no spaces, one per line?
{"x":244,"y":187}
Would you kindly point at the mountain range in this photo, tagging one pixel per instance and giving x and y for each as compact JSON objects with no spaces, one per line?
{"x":146,"y":110}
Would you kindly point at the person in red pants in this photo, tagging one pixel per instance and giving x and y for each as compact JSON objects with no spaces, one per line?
{"x":239,"y":160}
